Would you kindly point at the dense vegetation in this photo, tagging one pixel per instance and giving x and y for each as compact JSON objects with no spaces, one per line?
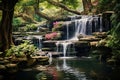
{"x":28,"y":13}
{"x":113,"y":40}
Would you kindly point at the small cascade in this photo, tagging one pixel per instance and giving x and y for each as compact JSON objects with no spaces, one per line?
{"x":39,"y":42}
{"x":80,"y":27}
{"x":57,"y":45}
{"x":38,"y":29}
{"x":67,"y":48}
{"x":67,"y":31}
{"x":50,"y":57}
{"x":101,"y":27}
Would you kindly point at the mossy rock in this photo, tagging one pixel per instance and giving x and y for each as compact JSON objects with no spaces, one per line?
{"x":82,"y":43}
{"x":47,"y":49}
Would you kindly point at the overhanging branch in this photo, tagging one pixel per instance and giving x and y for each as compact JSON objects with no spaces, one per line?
{"x":63,"y":6}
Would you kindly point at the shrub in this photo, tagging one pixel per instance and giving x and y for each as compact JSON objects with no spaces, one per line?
{"x":24,"y":49}
{"x":16,"y":23}
{"x":30,"y":27}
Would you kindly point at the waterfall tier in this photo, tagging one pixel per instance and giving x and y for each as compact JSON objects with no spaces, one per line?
{"x":86,"y":25}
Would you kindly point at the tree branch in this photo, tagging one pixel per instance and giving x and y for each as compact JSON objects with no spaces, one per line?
{"x":25,"y":17}
{"x":63,"y":6}
{"x":36,"y":8}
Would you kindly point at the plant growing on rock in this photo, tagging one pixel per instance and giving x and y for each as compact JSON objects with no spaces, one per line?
{"x":24,"y":49}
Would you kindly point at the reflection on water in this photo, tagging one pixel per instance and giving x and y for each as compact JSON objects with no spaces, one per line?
{"x":80,"y":69}
{"x":69,"y":69}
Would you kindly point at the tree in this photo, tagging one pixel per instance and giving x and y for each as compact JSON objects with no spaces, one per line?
{"x":7,"y":7}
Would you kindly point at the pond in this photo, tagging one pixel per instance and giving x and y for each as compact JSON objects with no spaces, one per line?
{"x":69,"y":69}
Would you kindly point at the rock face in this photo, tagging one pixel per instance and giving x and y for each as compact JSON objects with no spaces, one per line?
{"x":82,"y":48}
{"x":106,"y":20}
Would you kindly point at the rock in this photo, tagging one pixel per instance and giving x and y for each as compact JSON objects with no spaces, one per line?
{"x":41,"y":68}
{"x":1,"y":59}
{"x":6,"y":61}
{"x":82,"y":48}
{"x":102,"y":42}
{"x":94,"y":43}
{"x":2,"y":67}
{"x":100,"y":34}
{"x":31,"y":62}
{"x":11,"y":65}
{"x":11,"y":68}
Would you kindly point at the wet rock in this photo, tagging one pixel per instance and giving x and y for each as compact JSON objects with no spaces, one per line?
{"x":6,"y":61}
{"x":94,"y":43}
{"x":1,"y":59}
{"x":2,"y":67}
{"x":11,"y":65}
{"x":100,"y":34}
{"x":82,"y":48}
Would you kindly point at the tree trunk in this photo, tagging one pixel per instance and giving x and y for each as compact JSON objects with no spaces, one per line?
{"x":25,"y":17}
{"x":87,"y":6}
{"x":6,"y":24}
{"x":36,"y":8}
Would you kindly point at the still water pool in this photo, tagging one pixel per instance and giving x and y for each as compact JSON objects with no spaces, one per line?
{"x":70,"y":69}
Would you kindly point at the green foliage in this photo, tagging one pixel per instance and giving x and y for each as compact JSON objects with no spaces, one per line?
{"x":25,"y":48}
{"x":27,"y":2}
{"x":114,"y":40}
{"x":30,"y":27}
{"x":105,"y":5}
{"x":37,"y":18}
{"x":71,"y":3}
{"x":16,"y":23}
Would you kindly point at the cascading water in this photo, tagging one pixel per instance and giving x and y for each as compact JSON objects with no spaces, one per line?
{"x":80,"y":27}
{"x":86,"y":25}
{"x":101,"y":29}
{"x":39,"y":42}
{"x":57,"y":45}
{"x":65,"y":45}
{"x":67,"y":31}
{"x":50,"y":57}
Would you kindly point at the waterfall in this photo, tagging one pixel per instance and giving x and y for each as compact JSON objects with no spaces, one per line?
{"x":85,"y":25}
{"x":101,"y":27}
{"x":39,"y":43}
{"x":80,"y":27}
{"x":67,"y":31}
{"x":50,"y":57}
{"x":65,"y":45}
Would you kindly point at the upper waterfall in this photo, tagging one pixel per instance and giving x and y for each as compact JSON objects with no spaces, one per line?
{"x":86,"y":25}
